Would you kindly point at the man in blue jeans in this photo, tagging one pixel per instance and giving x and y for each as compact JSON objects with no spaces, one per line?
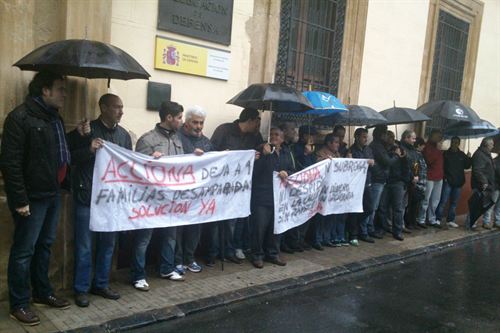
{"x":163,"y":140}
{"x":83,"y":145}
{"x":455,"y":163}
{"x":34,"y":158}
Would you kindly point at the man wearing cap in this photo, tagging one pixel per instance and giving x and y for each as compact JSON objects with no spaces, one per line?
{"x":241,"y":134}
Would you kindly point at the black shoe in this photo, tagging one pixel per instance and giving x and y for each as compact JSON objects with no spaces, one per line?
{"x":421,"y":225}
{"x":367,"y":239}
{"x":399,"y":237}
{"x":318,"y":247}
{"x":376,"y":235}
{"x":287,"y":249}
{"x":105,"y":292}
{"x":82,"y":300}
{"x":406,"y":230}
{"x":210,"y":262}
{"x":276,"y":261}
{"x":435,"y":225}
{"x":328,"y":244}
{"x":53,"y":302}
{"x":258,"y":264}
{"x":233,"y":259}
{"x":25,"y":316}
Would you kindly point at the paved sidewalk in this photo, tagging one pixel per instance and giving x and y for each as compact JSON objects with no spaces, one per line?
{"x":213,"y":287}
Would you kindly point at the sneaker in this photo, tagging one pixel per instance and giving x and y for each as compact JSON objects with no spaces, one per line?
{"x":141,"y":285}
{"x":487,"y":226}
{"x":452,"y":224}
{"x":239,"y":254}
{"x":180,"y":269}
{"x":343,"y":242}
{"x":354,"y":242}
{"x":337,"y":244}
{"x":194,"y":267}
{"x":174,"y":276}
{"x":25,"y":316}
{"x":474,"y":226}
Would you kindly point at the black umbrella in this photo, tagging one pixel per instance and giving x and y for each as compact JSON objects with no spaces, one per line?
{"x":357,"y":115}
{"x":479,"y":203}
{"x":449,"y":110}
{"x":397,"y":115}
{"x":468,"y":130}
{"x":271,"y":97}
{"x":83,"y":58}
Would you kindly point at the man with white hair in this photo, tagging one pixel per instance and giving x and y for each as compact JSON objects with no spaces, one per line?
{"x":193,"y":141}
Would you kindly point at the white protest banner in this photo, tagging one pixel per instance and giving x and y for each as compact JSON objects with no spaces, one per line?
{"x":134,"y":191}
{"x":332,"y":186}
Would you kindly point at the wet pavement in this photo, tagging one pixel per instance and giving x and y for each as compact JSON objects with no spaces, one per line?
{"x":456,"y":290}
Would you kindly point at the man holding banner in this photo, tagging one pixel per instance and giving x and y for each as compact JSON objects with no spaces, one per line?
{"x":242,"y":134}
{"x":83,"y":145}
{"x":265,"y":244}
{"x":160,"y":141}
{"x":193,"y":141}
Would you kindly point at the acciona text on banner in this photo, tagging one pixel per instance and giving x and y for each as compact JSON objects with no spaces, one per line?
{"x":134,"y":191}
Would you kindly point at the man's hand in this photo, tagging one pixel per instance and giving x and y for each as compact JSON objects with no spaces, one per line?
{"x":157,"y":154}
{"x":371,"y":162}
{"x":83,"y":127}
{"x":283,"y":175}
{"x":198,"y":152}
{"x":469,"y":154}
{"x":415,"y":180}
{"x":484,"y":186}
{"x":267,"y":149}
{"x":24,"y":211}
{"x":96,"y":144}
{"x":257,"y":155}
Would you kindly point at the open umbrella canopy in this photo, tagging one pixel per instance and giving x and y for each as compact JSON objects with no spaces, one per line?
{"x":468,"y":130}
{"x":357,"y":115}
{"x":450,"y":110}
{"x":83,"y":58}
{"x":271,"y":97}
{"x":397,"y":115}
{"x":323,"y":103}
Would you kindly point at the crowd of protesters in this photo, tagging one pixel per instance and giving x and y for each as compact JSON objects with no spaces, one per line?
{"x":409,"y":184}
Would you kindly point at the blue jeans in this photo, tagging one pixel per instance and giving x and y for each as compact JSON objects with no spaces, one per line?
{"x":229,"y":231}
{"x":188,"y":237}
{"x":451,"y":193}
{"x":30,"y":251}
{"x":377,"y":190}
{"x":104,"y":247}
{"x":338,"y":228}
{"x":495,"y":211}
{"x":317,"y":223}
{"x":167,"y":251}
{"x":430,"y":202}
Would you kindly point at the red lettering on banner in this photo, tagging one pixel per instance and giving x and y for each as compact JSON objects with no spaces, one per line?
{"x":159,"y":175}
{"x":145,"y":211}
{"x":207,"y":208}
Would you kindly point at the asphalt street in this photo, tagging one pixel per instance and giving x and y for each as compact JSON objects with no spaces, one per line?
{"x":456,"y":290}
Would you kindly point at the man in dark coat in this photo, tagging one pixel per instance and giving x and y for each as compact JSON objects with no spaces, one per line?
{"x":34,"y":159}
{"x":83,"y":153}
{"x":241,"y":134}
{"x":265,"y":244}
{"x":455,"y":163}
{"x":483,"y":182}
{"x":193,"y":142}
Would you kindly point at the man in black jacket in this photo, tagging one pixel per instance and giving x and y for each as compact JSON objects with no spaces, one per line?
{"x":265,"y":244}
{"x":83,"y":145}
{"x":241,"y":134}
{"x":34,"y":159}
{"x":455,"y":163}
